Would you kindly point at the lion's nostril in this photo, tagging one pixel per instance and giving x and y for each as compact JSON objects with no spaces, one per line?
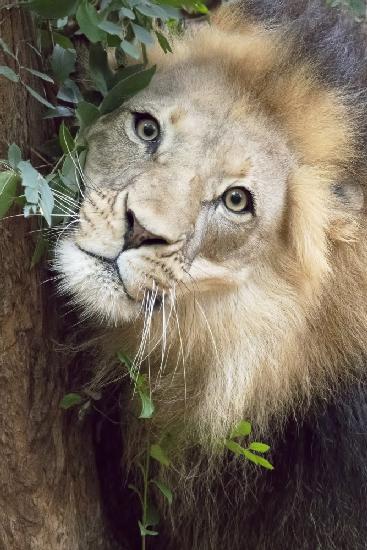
{"x":136,"y":234}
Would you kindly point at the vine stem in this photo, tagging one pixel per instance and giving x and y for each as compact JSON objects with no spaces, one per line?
{"x":145,"y":496}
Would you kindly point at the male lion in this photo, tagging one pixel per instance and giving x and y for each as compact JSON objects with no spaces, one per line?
{"x":223,"y":239}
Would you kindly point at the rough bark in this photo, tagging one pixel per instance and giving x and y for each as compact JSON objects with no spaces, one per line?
{"x":49,"y":495}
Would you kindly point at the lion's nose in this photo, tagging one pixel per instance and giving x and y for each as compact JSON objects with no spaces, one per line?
{"x":136,"y":234}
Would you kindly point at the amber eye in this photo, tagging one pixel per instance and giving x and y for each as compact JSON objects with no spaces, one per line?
{"x":237,"y":199}
{"x":147,"y":128}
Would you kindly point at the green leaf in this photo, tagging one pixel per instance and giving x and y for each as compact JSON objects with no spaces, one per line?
{"x":69,"y":92}
{"x":163,"y":42}
{"x":166,"y":491}
{"x":200,"y":7}
{"x":111,"y":28}
{"x":47,"y":202}
{"x":158,"y":454}
{"x":146,"y":532}
{"x":65,"y":139}
{"x":39,"y":98}
{"x":62,"y":62}
{"x":8,"y":73}
{"x":8,"y":188}
{"x":243,"y":429}
{"x":87,"y":114}
{"x":124,"y":72}
{"x":14,"y":155}
{"x":39,"y":251}
{"x":53,"y":9}
{"x":126,"y":88}
{"x":44,"y":76}
{"x":62,"y":41}
{"x":30,"y":176}
{"x":89,"y":20}
{"x":125,"y":359}
{"x":142,"y":34}
{"x":130,"y":49}
{"x":99,"y":69}
{"x":264,"y":463}
{"x":147,"y":405}
{"x":259,"y":460}
{"x":234,"y":447}
{"x":6,"y":48}
{"x":259,"y":447}
{"x":152,"y":10}
{"x":125,"y":12}
{"x":70,"y":400}
{"x":59,"y":111}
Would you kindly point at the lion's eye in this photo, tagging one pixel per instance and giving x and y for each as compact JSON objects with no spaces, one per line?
{"x":237,"y":199}
{"x":147,"y":128}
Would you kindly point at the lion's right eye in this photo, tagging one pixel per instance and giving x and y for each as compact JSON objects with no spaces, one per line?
{"x":146,"y":127}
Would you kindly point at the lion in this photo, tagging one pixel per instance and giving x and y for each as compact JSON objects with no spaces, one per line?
{"x":221,"y":243}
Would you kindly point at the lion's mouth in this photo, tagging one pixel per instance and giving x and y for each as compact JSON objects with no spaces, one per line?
{"x":152,"y":295}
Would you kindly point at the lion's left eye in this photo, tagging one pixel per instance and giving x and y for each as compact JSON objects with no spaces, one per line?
{"x":237,"y":199}
{"x":147,"y":128}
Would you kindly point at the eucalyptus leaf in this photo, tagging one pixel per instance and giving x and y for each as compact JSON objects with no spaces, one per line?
{"x":62,"y":62}
{"x":99,"y":69}
{"x":126,"y":12}
{"x":126,"y":88}
{"x":8,"y":188}
{"x":69,"y":92}
{"x":30,"y":176}
{"x":65,"y":139}
{"x":88,"y":20}
{"x":152,"y":10}
{"x":14,"y":155}
{"x":130,"y":49}
{"x":47,"y":202}
{"x":142,"y":34}
{"x":44,"y":76}
{"x":125,"y":72}
{"x":6,"y":48}
{"x":158,"y":454}
{"x":62,"y":41}
{"x":39,"y":98}
{"x":59,"y":111}
{"x":163,"y":42}
{"x":87,"y":114}
{"x":111,"y":28}
{"x":53,"y":9}
{"x":8,"y":73}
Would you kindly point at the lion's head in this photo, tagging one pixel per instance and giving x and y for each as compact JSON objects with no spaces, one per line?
{"x":219,"y":203}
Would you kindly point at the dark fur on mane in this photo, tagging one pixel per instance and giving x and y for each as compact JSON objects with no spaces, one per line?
{"x":329,"y":37}
{"x":316,"y":498}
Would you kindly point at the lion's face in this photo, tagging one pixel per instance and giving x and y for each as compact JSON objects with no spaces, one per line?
{"x":185,"y":190}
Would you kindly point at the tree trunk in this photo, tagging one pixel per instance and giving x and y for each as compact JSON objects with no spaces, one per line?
{"x":49,"y":491}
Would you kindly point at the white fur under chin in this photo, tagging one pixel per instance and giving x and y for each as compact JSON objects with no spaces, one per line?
{"x":96,"y":290}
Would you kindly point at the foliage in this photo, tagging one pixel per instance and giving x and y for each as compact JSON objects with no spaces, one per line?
{"x":66,"y":32}
{"x":356,"y":7}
